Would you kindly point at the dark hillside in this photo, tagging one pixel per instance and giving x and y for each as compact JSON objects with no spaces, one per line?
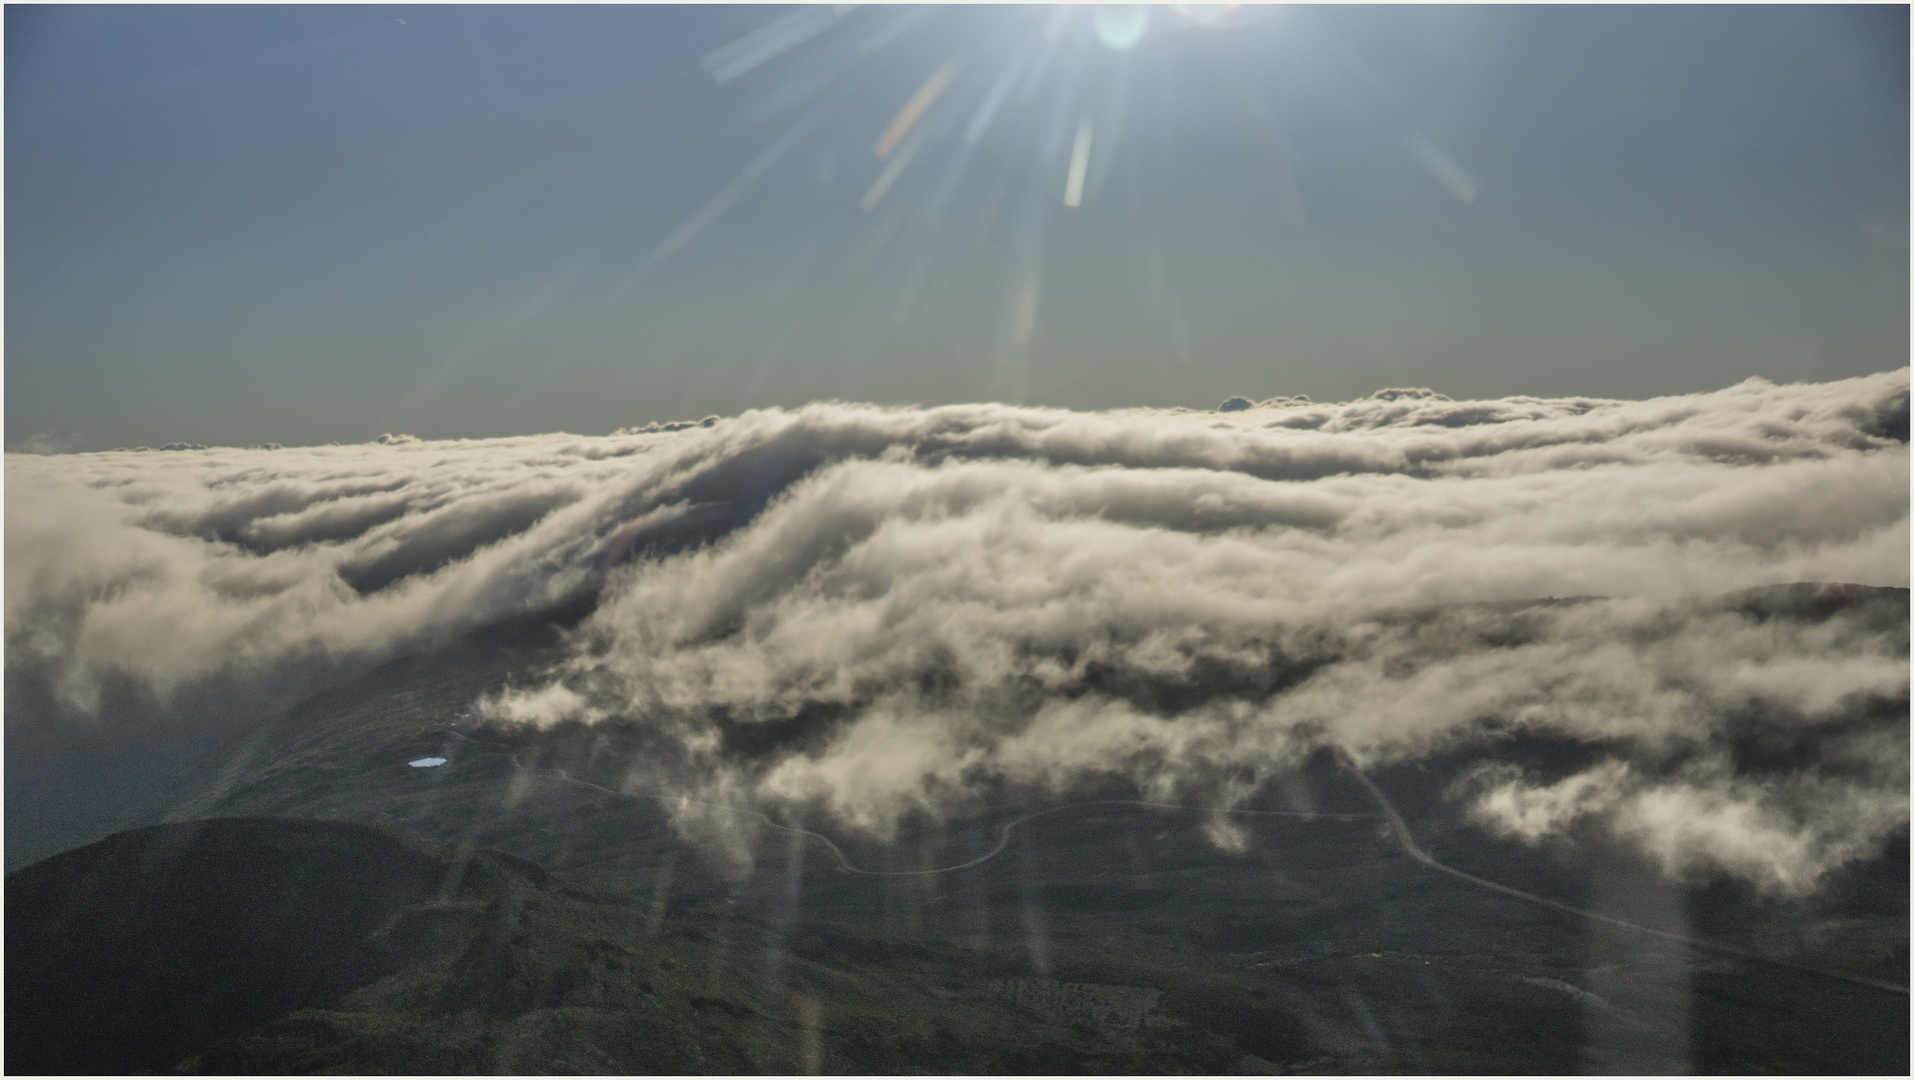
{"x":169,"y":938}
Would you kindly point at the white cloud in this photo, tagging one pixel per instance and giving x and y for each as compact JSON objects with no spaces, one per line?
{"x":986,"y":594}
{"x":1781,"y":834}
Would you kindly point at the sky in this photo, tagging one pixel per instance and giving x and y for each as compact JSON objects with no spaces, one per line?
{"x":236,"y":225}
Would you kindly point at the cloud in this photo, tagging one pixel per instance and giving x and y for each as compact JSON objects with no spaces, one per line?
{"x":874,"y":611}
{"x":1783,"y":834}
{"x":43,"y":443}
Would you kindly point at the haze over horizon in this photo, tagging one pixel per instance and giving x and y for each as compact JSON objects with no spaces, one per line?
{"x":244,"y":225}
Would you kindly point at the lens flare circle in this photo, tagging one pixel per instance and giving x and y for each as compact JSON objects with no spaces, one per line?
{"x":1120,"y":28}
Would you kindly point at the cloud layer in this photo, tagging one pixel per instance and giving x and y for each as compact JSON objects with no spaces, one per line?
{"x":872,"y":611}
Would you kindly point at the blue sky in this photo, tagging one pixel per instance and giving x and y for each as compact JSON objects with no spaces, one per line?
{"x":243,"y":224}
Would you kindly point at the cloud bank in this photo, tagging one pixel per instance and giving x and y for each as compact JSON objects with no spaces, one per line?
{"x":869,"y":611}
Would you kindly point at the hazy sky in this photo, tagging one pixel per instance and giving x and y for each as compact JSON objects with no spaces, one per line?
{"x":230,"y":225}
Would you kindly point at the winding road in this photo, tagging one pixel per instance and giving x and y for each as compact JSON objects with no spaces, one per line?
{"x":1003,"y":833}
{"x":1414,"y":850}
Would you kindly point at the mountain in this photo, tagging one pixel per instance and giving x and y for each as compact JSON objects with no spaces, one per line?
{"x":285,"y":945}
{"x":262,"y":945}
{"x":535,"y":904}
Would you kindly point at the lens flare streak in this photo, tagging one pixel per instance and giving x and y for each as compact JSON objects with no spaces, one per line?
{"x":1079,"y":164}
{"x":914,"y":109}
{"x":892,"y":170}
{"x":1446,"y":172}
{"x":766,"y":43}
